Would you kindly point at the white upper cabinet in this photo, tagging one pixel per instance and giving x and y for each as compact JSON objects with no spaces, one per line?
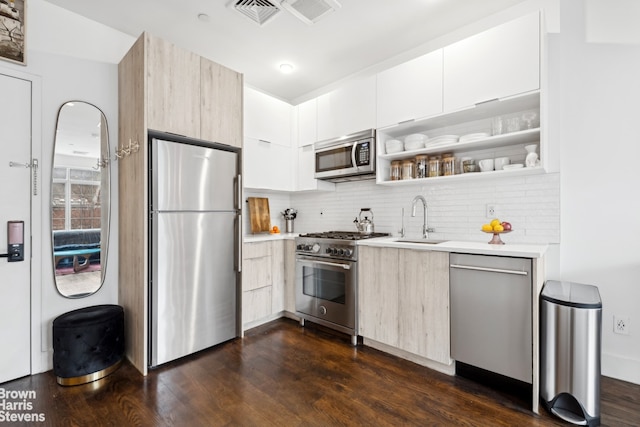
{"x":410,"y":91}
{"x":346,"y":110}
{"x":307,"y":122}
{"x":267,"y":118}
{"x":267,"y":165}
{"x":497,"y":63}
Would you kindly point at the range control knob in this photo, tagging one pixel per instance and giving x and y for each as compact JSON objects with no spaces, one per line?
{"x":348,"y":252}
{"x":323,"y":310}
{"x":315,"y":248}
{"x":300,"y":247}
{"x":328,"y":251}
{"x":340,"y":251}
{"x":307,"y":247}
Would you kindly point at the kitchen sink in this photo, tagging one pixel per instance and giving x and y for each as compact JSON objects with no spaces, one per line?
{"x":419,"y":240}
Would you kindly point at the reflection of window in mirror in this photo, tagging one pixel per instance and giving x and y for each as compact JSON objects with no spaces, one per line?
{"x":79,"y":199}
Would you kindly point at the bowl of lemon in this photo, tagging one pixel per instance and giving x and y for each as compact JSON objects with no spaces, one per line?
{"x":496,"y":227}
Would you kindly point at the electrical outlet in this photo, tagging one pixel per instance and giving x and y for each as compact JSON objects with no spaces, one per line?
{"x":492,"y":211}
{"x":621,"y":325}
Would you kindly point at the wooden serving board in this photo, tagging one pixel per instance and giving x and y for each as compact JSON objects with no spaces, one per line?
{"x":259,"y":215}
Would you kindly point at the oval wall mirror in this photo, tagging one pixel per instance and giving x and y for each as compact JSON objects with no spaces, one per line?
{"x":80,"y":192}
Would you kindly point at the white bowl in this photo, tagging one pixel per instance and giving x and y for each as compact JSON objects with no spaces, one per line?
{"x":416,"y":137}
{"x":393,"y":146}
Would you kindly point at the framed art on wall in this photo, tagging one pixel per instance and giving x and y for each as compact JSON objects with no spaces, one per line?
{"x":12,"y":30}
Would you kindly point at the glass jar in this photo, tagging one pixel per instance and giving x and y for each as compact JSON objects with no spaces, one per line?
{"x":396,"y":170}
{"x":421,"y":165}
{"x":408,"y":169}
{"x":434,"y":167}
{"x":448,"y":165}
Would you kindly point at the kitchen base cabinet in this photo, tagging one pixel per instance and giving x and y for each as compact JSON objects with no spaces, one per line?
{"x":378,"y":294}
{"x":263,"y":282}
{"x":424,"y":304}
{"x":290,"y":276}
{"x":404,"y":303}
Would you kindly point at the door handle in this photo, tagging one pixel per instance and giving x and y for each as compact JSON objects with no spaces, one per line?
{"x":489,"y":270}
{"x":330,"y":264}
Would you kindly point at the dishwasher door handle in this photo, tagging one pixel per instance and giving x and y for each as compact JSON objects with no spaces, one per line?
{"x":489,"y":270}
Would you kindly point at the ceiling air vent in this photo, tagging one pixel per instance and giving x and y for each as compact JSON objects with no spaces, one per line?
{"x":259,"y":11}
{"x":310,"y":11}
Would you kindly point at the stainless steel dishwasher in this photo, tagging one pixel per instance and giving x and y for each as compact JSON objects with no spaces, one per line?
{"x":491,"y":313}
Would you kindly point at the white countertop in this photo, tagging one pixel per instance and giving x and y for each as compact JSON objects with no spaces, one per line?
{"x":509,"y":249}
{"x":266,"y":237}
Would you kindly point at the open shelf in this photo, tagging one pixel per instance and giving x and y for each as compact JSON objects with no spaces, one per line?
{"x":467,"y":177}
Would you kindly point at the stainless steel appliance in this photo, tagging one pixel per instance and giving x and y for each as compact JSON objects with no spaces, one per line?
{"x":194,"y":228}
{"x":349,"y":158}
{"x":491,"y":313}
{"x":327,"y":279}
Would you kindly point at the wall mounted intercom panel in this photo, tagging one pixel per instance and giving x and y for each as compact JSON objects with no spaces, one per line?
{"x":15,"y":238}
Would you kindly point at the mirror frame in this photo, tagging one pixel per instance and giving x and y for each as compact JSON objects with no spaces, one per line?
{"x":104,"y":164}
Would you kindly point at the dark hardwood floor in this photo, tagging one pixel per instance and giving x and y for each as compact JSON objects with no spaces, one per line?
{"x":283,"y":375}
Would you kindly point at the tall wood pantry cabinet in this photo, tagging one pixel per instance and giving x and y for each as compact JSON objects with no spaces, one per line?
{"x":164,"y":88}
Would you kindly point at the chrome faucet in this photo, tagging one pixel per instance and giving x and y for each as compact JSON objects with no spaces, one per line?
{"x":425,"y":229}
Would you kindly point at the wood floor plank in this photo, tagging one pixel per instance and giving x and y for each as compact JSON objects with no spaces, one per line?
{"x":281,"y":374}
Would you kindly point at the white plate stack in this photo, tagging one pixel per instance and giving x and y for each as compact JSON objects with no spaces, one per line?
{"x":443,"y":140}
{"x":474,"y":136}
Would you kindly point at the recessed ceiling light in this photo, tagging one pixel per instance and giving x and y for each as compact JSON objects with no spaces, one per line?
{"x":203,"y":17}
{"x":286,"y":68}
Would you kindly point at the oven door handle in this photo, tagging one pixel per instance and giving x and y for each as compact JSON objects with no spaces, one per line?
{"x":331,"y":264}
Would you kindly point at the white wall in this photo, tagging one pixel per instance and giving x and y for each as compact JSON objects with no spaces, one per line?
{"x":60,"y":78}
{"x":597,"y":87}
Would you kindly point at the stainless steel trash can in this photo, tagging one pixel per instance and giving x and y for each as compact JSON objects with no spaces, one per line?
{"x":570,"y":342}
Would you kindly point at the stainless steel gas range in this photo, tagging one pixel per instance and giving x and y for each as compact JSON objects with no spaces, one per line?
{"x":327,"y":279}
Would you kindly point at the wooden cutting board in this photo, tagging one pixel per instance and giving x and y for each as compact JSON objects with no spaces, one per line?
{"x":259,"y":215}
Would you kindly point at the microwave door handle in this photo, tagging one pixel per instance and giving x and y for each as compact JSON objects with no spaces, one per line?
{"x":353,"y":155}
{"x":330,"y":264}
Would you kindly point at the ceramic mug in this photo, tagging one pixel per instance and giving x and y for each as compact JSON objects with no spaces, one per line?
{"x":486,"y":165}
{"x":499,"y":162}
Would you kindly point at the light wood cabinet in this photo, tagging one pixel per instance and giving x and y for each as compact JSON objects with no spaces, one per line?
{"x":263,"y":282}
{"x":424,"y":304}
{"x":220,"y":104}
{"x":378,"y":296}
{"x":404,"y":300}
{"x":290,"y":276}
{"x":410,"y":91}
{"x":500,"y":62}
{"x":159,"y":88}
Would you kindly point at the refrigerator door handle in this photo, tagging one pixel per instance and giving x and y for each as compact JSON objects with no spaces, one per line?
{"x":239,"y":192}
{"x":239,"y":243}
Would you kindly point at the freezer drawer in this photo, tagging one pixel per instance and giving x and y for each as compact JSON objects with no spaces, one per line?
{"x":491,"y":313}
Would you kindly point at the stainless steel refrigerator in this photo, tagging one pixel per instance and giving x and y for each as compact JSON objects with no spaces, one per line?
{"x":195,"y":225}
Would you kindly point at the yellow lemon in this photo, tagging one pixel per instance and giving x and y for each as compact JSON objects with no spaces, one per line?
{"x":498,"y":228}
{"x":487,"y":227}
{"x":495,"y":222}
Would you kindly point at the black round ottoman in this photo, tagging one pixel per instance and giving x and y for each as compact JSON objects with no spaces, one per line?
{"x":88,"y":344}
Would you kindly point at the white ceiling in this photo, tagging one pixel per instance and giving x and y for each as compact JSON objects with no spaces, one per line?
{"x":359,"y":35}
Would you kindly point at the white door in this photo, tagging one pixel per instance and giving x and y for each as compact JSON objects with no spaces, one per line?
{"x":15,"y":204}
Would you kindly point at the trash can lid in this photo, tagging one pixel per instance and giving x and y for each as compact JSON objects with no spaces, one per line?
{"x":571,"y":294}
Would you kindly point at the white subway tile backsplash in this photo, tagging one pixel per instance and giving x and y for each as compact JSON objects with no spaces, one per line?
{"x":455,"y":211}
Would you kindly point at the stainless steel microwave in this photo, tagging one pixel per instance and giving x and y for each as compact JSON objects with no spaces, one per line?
{"x":348,"y":158}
